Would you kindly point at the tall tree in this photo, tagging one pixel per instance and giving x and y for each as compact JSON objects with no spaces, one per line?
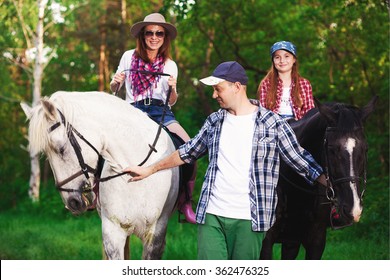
{"x":36,"y":57}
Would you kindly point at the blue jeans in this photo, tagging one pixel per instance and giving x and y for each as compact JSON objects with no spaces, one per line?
{"x":156,"y":112}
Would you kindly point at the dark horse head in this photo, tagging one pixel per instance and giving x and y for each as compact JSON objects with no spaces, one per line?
{"x":342,"y":154}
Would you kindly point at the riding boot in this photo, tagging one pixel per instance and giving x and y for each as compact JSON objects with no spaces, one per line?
{"x":185,"y":203}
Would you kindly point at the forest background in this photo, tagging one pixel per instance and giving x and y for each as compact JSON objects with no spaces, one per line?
{"x":343,"y":49}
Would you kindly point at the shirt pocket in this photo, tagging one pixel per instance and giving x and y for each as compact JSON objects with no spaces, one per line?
{"x":267,"y":147}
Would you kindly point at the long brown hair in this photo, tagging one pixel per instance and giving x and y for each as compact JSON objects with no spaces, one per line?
{"x":141,"y":49}
{"x":273,"y":77}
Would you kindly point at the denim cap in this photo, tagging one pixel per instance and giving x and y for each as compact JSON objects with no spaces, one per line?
{"x":283,"y":45}
{"x":230,"y":71}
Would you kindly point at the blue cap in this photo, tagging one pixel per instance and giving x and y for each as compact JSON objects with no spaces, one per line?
{"x":283,"y":45}
{"x":230,"y":71}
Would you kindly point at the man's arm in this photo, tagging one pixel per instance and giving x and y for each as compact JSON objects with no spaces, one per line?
{"x":140,"y":172}
{"x":297,"y":157}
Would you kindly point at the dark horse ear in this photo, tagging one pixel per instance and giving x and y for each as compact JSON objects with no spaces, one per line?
{"x":326,"y":112}
{"x":369,"y":108}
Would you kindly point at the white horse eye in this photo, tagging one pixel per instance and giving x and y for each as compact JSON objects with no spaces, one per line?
{"x":61,"y":150}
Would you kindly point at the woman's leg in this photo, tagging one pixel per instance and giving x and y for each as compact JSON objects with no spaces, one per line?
{"x":185,"y":203}
{"x":179,"y":130}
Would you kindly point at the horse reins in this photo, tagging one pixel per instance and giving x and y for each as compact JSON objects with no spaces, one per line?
{"x":85,"y":168}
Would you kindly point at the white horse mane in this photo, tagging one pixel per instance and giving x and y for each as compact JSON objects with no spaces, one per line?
{"x":72,"y":105}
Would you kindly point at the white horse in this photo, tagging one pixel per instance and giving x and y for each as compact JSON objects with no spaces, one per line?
{"x":74,"y":129}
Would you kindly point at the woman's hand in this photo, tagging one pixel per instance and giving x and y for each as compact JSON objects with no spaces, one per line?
{"x":117,"y":80}
{"x":172,"y":82}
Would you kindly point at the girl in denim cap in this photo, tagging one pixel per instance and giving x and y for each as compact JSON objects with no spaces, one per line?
{"x":283,"y":90}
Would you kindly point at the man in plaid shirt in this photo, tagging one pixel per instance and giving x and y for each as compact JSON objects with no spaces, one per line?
{"x":244,"y":142}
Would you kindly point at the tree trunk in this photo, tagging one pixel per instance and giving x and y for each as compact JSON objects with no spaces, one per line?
{"x":37,"y":87}
{"x":102,"y":52}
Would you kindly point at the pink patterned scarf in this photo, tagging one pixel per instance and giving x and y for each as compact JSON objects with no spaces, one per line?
{"x":142,"y":84}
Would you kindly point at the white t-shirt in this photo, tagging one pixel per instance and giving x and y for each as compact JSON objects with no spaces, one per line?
{"x":161,"y":91}
{"x":230,"y":193}
{"x":285,"y":103}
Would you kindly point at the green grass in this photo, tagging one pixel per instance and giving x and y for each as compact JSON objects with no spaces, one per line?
{"x":35,"y":234}
{"x":47,"y":231}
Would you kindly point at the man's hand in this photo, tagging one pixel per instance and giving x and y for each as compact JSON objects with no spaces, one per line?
{"x":322,"y":180}
{"x":138,"y":172}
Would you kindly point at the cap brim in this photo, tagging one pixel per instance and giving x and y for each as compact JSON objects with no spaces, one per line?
{"x":211,"y":81}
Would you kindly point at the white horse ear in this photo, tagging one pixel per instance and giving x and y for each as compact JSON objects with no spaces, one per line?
{"x":26,"y":109}
{"x":50,"y":109}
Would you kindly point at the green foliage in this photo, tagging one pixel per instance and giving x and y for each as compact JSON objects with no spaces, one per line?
{"x":342,"y":49}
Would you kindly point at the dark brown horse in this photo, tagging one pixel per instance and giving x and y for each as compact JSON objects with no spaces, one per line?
{"x":333,"y":133}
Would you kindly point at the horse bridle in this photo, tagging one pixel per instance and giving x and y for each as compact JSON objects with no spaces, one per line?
{"x":85,"y":168}
{"x":330,"y":193}
{"x":331,"y":182}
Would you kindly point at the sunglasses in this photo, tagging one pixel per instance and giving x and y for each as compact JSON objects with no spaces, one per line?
{"x":159,"y":34}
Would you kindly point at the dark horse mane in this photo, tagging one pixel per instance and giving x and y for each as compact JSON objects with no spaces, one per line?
{"x":343,"y":117}
{"x":338,"y":115}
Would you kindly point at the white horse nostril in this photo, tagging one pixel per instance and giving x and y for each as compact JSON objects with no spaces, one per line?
{"x":356,"y":218}
{"x":357,"y":213}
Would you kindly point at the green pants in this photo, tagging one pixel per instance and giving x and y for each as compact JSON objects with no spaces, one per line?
{"x":228,"y":239}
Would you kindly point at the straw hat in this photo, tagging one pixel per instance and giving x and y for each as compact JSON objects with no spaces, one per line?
{"x":154,"y":19}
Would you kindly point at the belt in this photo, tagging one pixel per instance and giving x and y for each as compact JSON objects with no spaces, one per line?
{"x":149,"y":102}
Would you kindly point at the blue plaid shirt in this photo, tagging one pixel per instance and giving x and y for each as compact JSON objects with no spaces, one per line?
{"x":273,"y":138}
